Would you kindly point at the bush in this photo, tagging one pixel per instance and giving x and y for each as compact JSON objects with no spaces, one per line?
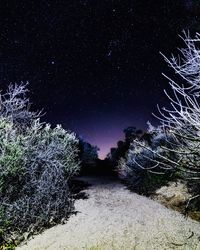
{"x":131,"y":133}
{"x":36,"y":164}
{"x":142,"y":167}
{"x":176,"y":145}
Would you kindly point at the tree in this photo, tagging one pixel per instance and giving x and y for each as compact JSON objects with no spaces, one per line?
{"x":88,"y":154}
{"x":131,"y":133}
{"x":182,"y":120}
{"x":175,"y":144}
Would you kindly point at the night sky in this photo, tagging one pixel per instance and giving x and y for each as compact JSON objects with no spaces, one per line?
{"x":93,"y":65}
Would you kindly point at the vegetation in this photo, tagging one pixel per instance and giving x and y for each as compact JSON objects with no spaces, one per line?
{"x":172,"y":148}
{"x":88,"y":155}
{"x":37,"y":161}
{"x":131,"y":133}
{"x":36,"y":164}
{"x":140,"y":167}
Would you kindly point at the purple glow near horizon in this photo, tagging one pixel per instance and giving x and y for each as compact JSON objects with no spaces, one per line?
{"x":107,"y":132}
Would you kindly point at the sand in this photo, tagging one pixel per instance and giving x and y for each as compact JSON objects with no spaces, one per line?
{"x":114,"y":218}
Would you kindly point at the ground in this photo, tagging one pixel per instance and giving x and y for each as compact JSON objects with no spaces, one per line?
{"x":114,"y":218}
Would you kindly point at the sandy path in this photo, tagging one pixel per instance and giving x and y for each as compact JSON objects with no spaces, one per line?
{"x":114,"y":218}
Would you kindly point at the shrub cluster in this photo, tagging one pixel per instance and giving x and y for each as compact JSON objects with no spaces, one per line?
{"x":36,"y":164}
{"x":173,"y":147}
{"x":131,"y":133}
{"x":141,"y":167}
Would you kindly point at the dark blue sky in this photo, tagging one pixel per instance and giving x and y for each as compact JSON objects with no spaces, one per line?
{"x":94,"y":66}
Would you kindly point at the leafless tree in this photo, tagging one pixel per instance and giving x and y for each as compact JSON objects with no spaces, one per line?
{"x":179,"y":123}
{"x":182,"y":119}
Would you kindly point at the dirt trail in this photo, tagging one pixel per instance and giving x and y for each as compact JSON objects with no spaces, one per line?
{"x":114,"y":218}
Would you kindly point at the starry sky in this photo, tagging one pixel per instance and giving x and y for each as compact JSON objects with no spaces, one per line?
{"x":92,"y":65}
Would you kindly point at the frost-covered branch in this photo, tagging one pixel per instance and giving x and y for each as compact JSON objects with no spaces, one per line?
{"x":182,"y":120}
{"x":15,"y":105}
{"x":174,"y":146}
{"x":36,"y":165}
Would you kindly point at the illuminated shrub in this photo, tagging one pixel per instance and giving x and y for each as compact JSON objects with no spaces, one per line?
{"x":36,"y":164}
{"x":143,"y":167}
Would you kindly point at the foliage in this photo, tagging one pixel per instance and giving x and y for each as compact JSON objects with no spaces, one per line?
{"x":140,"y":167}
{"x":182,"y":120}
{"x":36,"y":164}
{"x":131,"y":133}
{"x":15,"y":106}
{"x":88,"y":153}
{"x":175,"y":146}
